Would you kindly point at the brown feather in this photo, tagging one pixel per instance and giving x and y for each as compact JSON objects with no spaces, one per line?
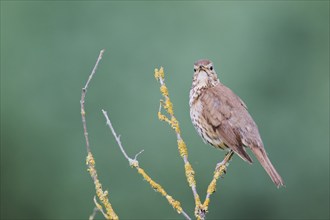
{"x":261,"y":155}
{"x":217,"y":110}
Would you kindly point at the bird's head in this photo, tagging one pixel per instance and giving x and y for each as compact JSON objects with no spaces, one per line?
{"x":204,"y":74}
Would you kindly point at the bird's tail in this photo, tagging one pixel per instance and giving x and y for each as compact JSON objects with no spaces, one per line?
{"x":267,"y":165}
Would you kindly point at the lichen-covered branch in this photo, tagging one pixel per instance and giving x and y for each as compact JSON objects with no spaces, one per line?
{"x":135,"y":164}
{"x":200,"y":209}
{"x":219,"y":171}
{"x":173,"y":122}
{"x":102,"y":195}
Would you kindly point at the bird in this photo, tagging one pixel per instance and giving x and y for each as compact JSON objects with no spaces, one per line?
{"x":222,"y":119}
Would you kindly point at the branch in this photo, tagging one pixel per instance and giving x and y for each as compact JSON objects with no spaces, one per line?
{"x":173,"y":122}
{"x":219,"y":171}
{"x":134,"y":163}
{"x":102,"y":195}
{"x":200,"y":209}
{"x":82,"y":100}
{"x":92,"y":216}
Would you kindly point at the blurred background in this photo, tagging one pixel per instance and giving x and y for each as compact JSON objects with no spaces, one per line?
{"x":274,"y":55}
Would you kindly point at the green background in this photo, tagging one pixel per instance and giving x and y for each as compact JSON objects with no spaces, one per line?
{"x":273,"y":54}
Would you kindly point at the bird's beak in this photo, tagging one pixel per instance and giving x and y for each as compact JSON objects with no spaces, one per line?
{"x":201,"y":68}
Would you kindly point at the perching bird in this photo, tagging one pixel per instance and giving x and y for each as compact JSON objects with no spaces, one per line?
{"x":221,"y":118}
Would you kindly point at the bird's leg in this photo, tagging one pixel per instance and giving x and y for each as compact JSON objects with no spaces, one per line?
{"x":227,"y":158}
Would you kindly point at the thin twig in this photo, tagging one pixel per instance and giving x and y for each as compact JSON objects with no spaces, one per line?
{"x":102,"y":195}
{"x":82,"y":100}
{"x":117,"y":137}
{"x":135,"y":164}
{"x":99,"y":208}
{"x":92,"y":216}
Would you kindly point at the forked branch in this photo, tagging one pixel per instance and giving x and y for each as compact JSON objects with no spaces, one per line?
{"x":134,"y":163}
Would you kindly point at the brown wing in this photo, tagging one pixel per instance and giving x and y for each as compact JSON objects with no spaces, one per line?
{"x":225,"y":112}
{"x":229,"y":117}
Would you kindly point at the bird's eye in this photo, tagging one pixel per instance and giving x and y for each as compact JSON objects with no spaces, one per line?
{"x":194,"y":70}
{"x":211,"y":67}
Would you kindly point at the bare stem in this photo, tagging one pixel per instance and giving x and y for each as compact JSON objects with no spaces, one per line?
{"x":94,"y":69}
{"x":92,"y":216}
{"x":117,"y":138}
{"x":82,"y":100}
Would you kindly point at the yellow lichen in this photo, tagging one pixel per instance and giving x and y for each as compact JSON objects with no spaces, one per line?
{"x":175,"y":125}
{"x":205,"y":205}
{"x":217,"y":173}
{"x":163,"y":90}
{"x":169,"y":106}
{"x":163,"y":118}
{"x":198,"y":207}
{"x":156,"y":73}
{"x":174,"y":203}
{"x":190,"y":174}
{"x":182,"y":148}
{"x":197,"y":201}
{"x":102,"y":195}
{"x":159,"y":73}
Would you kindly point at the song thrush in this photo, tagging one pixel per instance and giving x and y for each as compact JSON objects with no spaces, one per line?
{"x":222,"y":120}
